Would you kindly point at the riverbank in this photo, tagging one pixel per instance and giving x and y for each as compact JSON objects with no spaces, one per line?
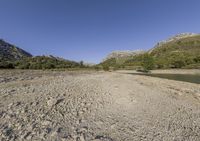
{"x":191,"y":76}
{"x":178,"y":71}
{"x":168,"y":71}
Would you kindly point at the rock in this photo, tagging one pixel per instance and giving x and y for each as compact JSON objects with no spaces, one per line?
{"x":29,"y":137}
{"x":10,"y":105}
{"x":45,"y":123}
{"x":82,"y":138}
{"x":48,"y":130}
{"x":54,"y":134}
{"x":18,"y":103}
{"x":53,"y":101}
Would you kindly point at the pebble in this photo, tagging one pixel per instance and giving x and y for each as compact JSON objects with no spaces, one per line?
{"x":51,"y":102}
{"x":45,"y":123}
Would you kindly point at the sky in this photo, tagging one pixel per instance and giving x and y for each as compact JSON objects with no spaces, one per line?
{"x":88,"y":30}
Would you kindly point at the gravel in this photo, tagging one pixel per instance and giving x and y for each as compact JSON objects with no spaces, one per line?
{"x":96,"y":106}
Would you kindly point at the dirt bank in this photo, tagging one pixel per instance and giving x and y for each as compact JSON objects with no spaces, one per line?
{"x":169,"y":71}
{"x":178,"y":71}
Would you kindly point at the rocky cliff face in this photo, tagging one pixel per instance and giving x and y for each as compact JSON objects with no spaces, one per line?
{"x":10,"y":52}
{"x":122,"y":54}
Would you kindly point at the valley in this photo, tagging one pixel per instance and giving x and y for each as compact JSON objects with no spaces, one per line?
{"x":99,"y":70}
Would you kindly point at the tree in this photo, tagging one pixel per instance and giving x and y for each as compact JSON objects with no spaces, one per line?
{"x":6,"y":65}
{"x":178,"y":63}
{"x":148,"y":62}
{"x":197,"y":59}
{"x":106,"y":68}
{"x":97,"y":67}
{"x":81,"y":64}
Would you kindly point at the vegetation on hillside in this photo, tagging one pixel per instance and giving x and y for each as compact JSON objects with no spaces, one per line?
{"x":147,"y":62}
{"x":6,"y":64}
{"x":44,"y":62}
{"x":41,"y":62}
{"x":182,"y":53}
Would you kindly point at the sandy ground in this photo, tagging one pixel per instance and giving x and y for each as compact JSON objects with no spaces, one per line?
{"x":96,"y":106}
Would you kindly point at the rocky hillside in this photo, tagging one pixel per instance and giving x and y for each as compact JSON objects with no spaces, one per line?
{"x":14,"y":57}
{"x":117,"y":59}
{"x":123,"y":54}
{"x":9,"y":52}
{"x":180,"y":51}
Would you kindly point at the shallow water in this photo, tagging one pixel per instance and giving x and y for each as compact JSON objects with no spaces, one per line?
{"x":192,"y":78}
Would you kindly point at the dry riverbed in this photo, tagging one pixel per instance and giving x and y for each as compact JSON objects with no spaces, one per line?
{"x":96,"y":106}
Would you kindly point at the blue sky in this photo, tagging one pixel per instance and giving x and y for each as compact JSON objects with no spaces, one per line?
{"x":90,"y":29}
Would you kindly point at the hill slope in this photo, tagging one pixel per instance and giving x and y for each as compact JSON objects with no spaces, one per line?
{"x":118,"y":59}
{"x":9,"y":52}
{"x":179,"y":51}
{"x":14,"y":57}
{"x":45,"y":62}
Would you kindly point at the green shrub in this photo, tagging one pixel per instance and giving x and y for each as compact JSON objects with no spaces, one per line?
{"x":197,"y":59}
{"x":178,"y":64}
{"x":44,"y":62}
{"x":148,"y":62}
{"x":106,"y":68}
{"x":6,"y":65}
{"x":97,"y":67}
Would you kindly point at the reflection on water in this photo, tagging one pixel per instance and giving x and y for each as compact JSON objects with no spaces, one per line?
{"x":179,"y":77}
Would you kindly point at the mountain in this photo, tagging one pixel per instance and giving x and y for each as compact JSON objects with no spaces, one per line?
{"x":15,"y":57}
{"x":182,"y":50}
{"x":173,"y":39}
{"x":9,"y":52}
{"x":179,"y":51}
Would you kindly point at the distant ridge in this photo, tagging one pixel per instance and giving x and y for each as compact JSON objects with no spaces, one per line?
{"x":122,"y":54}
{"x":15,"y":57}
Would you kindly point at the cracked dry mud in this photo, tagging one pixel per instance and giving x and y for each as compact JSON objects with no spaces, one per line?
{"x":96,"y":106}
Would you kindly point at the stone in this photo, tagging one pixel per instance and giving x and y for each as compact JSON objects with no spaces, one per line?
{"x":45,"y":123}
{"x":51,"y":102}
